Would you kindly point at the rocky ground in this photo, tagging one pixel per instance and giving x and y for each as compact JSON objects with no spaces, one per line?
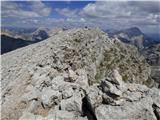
{"x":79,"y":74}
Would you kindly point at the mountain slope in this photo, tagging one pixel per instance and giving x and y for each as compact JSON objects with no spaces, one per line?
{"x":12,"y":40}
{"x":152,"y":55}
{"x":136,"y":37}
{"x":9,"y":43}
{"x":132,"y":36}
{"x":58,"y":77}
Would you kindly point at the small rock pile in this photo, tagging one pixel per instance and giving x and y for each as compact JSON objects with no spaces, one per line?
{"x":127,"y":101}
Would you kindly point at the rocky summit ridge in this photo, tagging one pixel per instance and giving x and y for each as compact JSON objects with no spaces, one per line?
{"x":78,"y":74}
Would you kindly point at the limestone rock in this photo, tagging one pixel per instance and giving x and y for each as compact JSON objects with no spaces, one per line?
{"x":109,"y":88}
{"x":115,"y":77}
{"x":73,"y":104}
{"x":94,"y":96}
{"x":30,"y":116}
{"x":82,"y":77}
{"x":129,"y":110}
{"x":67,"y":93}
{"x":72,"y":77}
{"x":61,"y":115}
{"x":32,"y":95}
{"x":50,"y":97}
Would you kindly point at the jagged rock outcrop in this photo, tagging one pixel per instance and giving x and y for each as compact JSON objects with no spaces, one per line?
{"x":76,"y":75}
{"x":40,"y":34}
{"x":126,"y":101}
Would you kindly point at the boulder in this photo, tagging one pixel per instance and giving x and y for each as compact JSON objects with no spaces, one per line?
{"x":94,"y":96}
{"x":56,"y":82}
{"x":115,"y":77}
{"x":72,"y":76}
{"x":73,"y":104}
{"x":67,"y":93}
{"x":50,"y":97}
{"x":110,"y":89}
{"x":136,"y":110}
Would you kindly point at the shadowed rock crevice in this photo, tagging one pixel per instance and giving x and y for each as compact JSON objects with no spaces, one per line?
{"x":156,"y":111}
{"x":87,"y":109}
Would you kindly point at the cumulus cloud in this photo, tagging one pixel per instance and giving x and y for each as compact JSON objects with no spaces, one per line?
{"x":147,"y":6}
{"x":40,"y":8}
{"x":108,"y":14}
{"x":14,"y":9}
{"x":123,"y":9}
{"x":67,"y":12}
{"x":123,"y":13}
{"x":104,"y":14}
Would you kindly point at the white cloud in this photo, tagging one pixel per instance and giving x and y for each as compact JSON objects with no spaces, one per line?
{"x":13,"y":9}
{"x":67,"y":12}
{"x":105,"y":14}
{"x":123,"y":14}
{"x":106,"y":9}
{"x":40,"y":8}
{"x":78,"y":20}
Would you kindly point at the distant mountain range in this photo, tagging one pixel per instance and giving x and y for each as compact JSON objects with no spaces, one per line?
{"x":10,"y":43}
{"x":147,"y":44}
{"x":152,"y":55}
{"x":135,"y":37}
{"x":13,"y":38}
{"x":19,"y":37}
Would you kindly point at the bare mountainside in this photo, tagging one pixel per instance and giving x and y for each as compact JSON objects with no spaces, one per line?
{"x":11,"y":40}
{"x":152,"y":55}
{"x":78,"y":74}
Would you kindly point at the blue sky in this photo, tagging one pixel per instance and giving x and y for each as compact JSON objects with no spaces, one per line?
{"x":103,"y":14}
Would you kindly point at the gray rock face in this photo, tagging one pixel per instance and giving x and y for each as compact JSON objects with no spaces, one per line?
{"x":132,"y":36}
{"x":73,"y":104}
{"x":50,"y":97}
{"x":135,"y":101}
{"x":67,"y":93}
{"x":94,"y":96}
{"x":128,"y":111}
{"x":115,"y":77}
{"x":78,"y":74}
{"x":152,"y":55}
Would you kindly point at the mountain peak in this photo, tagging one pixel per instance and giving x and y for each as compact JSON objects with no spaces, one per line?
{"x":133,"y":31}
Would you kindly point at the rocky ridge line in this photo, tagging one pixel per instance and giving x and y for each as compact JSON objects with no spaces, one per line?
{"x":77,"y":74}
